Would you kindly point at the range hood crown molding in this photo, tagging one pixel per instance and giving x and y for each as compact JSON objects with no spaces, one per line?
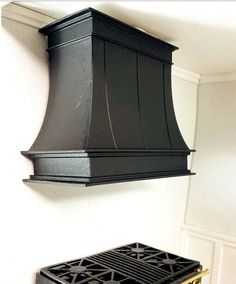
{"x":110,"y":114}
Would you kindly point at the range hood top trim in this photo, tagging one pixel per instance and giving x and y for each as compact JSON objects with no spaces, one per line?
{"x":90,"y":12}
{"x":112,"y":83}
{"x":96,"y":24}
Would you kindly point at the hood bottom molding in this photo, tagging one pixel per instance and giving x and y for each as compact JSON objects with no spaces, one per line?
{"x":99,"y":167}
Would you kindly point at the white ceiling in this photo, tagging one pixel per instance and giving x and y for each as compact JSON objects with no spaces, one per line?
{"x":204,"y":31}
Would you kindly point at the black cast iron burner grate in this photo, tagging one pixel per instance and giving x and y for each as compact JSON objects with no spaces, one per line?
{"x":131,"y":264}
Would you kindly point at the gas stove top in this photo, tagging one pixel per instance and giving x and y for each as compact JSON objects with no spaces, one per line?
{"x":131,"y":264}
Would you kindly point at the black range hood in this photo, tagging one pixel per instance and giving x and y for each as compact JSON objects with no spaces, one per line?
{"x":110,"y":114}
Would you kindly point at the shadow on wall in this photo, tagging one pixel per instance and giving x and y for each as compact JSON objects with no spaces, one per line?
{"x":57,"y":192}
{"x":30,"y":39}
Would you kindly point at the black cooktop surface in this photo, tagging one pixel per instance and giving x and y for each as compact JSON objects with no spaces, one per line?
{"x":131,"y":264}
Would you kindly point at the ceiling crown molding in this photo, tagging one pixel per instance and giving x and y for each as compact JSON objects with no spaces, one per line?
{"x":25,"y":15}
{"x":185,"y":74}
{"x":221,"y":77}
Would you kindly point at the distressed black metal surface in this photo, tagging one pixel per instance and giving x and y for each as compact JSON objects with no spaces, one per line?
{"x":177,"y":141}
{"x":122,"y":96}
{"x":100,"y":131}
{"x":66,"y":123}
{"x":110,"y":98}
{"x":107,"y":166}
{"x":152,"y":102}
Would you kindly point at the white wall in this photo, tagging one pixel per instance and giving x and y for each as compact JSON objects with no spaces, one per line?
{"x":46,"y":224}
{"x":212,"y":194}
{"x":210,"y":231}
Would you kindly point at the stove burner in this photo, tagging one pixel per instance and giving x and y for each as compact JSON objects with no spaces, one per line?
{"x":168,"y":261}
{"x":137,"y":250}
{"x":78,"y":269}
{"x":75,"y":271}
